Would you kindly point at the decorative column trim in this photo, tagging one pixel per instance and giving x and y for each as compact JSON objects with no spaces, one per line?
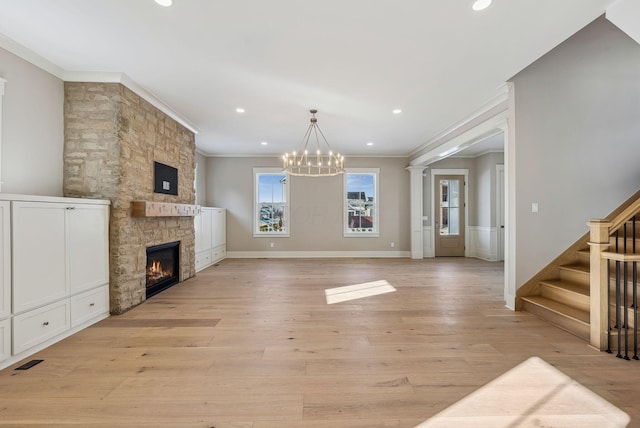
{"x":416,"y":193}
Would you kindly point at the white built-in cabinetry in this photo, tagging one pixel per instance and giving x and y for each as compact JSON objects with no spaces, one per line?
{"x":211,"y":236}
{"x":54,"y":255}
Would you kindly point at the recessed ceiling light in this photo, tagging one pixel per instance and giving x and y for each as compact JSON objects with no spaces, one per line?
{"x":370,"y":143}
{"x":481,"y":4}
{"x":264,"y":143}
{"x":239,"y":110}
{"x":165,"y":3}
{"x":396,"y":111}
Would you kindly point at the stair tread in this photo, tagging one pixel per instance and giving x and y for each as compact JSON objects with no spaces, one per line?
{"x":573,"y":287}
{"x":578,"y":267}
{"x":559,"y":308}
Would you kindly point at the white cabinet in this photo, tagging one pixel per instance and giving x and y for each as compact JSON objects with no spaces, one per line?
{"x":218,"y":227}
{"x":39,"y":254}
{"x":88,"y":246}
{"x":5,"y":261}
{"x":89,"y":304}
{"x":211,"y":236}
{"x":203,"y":229}
{"x":5,"y":339}
{"x":54,"y":255}
{"x":34,"y":327}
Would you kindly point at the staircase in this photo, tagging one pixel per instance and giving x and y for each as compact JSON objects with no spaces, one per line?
{"x":563,"y":298}
{"x":560,"y":293}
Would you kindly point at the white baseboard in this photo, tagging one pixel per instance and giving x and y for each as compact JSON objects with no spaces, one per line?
{"x":315,"y":254}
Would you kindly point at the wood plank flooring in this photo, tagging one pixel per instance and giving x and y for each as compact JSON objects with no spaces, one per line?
{"x":253,"y":344}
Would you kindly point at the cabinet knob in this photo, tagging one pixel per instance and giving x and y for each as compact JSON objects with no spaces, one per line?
{"x":71,"y":208}
{"x":45,"y":323}
{"x":91,"y":304}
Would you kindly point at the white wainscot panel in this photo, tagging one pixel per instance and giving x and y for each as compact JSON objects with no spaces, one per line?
{"x":483,"y":242}
{"x":427,"y":249}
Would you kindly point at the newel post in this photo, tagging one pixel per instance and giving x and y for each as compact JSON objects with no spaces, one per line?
{"x":598,"y":242}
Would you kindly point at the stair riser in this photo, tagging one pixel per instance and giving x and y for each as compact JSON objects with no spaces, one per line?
{"x":574,"y":276}
{"x":572,"y":326}
{"x":575,"y":300}
{"x":584,"y":257}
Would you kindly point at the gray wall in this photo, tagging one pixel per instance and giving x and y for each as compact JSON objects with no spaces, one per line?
{"x":480,"y":188}
{"x":577,"y":140}
{"x":484,"y":180}
{"x":316,"y":207}
{"x":32,"y":128}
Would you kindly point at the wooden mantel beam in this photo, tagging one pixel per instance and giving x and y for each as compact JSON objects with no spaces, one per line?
{"x":163,"y":209}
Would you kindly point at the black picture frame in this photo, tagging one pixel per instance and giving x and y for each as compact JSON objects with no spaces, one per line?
{"x":165,"y":179}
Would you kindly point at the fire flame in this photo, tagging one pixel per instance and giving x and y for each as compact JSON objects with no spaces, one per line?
{"x":156,"y":272}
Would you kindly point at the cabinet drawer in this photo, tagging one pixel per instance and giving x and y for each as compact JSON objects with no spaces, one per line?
{"x":219,"y":253}
{"x":89,"y":305}
{"x":203,"y":259}
{"x":34,"y":327}
{"x":5,"y":339}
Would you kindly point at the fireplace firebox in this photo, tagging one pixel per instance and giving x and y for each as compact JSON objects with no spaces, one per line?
{"x":163,"y":264}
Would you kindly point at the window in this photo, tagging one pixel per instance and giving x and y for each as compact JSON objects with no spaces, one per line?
{"x":361,"y":204}
{"x":271,"y":207}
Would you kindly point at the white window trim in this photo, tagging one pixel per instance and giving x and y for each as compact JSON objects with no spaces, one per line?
{"x":256,"y":230}
{"x":376,"y":224}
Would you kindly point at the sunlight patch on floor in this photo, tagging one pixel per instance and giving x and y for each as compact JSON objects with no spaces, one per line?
{"x":357,"y":291}
{"x":532,"y":394}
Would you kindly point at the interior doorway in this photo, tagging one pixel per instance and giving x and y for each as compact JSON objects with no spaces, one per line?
{"x":449,"y":215}
{"x":449,"y":212}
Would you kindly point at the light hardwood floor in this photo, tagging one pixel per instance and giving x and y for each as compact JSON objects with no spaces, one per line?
{"x":253,"y":344}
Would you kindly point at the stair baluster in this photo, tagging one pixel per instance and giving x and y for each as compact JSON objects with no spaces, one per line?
{"x":625,"y":298}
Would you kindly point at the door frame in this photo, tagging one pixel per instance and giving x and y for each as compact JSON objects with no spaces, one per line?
{"x":465,"y":173}
{"x":500,"y":211}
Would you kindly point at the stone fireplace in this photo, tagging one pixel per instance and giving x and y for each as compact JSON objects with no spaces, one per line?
{"x":112,"y":139}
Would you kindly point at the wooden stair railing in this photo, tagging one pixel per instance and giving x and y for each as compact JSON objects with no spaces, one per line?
{"x":602,"y":258}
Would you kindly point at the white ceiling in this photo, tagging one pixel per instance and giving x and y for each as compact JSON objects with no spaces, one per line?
{"x":353,"y":60}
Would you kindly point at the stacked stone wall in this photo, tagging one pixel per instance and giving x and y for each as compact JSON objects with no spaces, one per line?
{"x":113,"y":136}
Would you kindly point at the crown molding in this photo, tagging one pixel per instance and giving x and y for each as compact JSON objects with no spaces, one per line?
{"x":498,"y":103}
{"x":122,"y":78}
{"x":92,"y":76}
{"x":30,"y":56}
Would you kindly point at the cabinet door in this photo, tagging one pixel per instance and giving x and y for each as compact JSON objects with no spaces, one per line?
{"x":88,"y":246}
{"x":39,"y":256}
{"x":5,"y":259}
{"x":197,"y":228}
{"x":5,"y":339}
{"x":206,"y":228}
{"x":219,"y":227}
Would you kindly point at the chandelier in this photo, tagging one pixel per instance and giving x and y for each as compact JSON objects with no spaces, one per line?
{"x":324,"y":162}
